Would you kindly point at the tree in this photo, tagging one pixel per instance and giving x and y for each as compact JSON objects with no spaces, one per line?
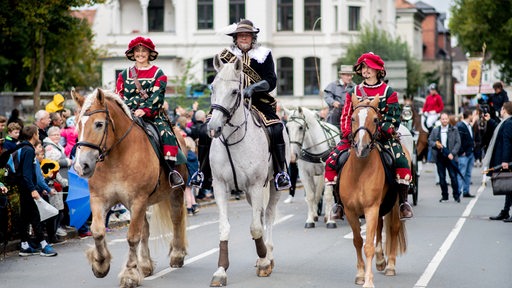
{"x":474,"y":22}
{"x":381,"y":43}
{"x":46,"y":47}
{"x":183,"y":83}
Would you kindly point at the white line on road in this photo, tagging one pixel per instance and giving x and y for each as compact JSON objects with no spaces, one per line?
{"x":351,"y":234}
{"x":205,"y":254}
{"x":189,"y":261}
{"x":434,"y":263}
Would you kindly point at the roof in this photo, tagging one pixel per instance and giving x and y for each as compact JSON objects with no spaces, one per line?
{"x":458,"y":54}
{"x":425,"y":8}
{"x":403,"y":4}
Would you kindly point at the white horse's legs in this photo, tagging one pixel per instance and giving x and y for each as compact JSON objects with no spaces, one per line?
{"x":328,"y":205}
{"x":220,"y":277}
{"x":311,"y":200}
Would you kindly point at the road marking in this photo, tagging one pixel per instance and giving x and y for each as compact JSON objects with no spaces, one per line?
{"x":438,"y":258}
{"x":351,"y":234}
{"x":189,"y":261}
{"x":205,"y":254}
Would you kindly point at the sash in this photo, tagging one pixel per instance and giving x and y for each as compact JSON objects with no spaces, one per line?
{"x":228,"y":57}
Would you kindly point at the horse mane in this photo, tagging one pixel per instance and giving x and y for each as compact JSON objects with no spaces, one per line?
{"x":109,"y":95}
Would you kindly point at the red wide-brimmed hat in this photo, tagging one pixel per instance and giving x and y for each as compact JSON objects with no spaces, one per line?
{"x":244,"y":26}
{"x":141,"y":41}
{"x":371,"y":60}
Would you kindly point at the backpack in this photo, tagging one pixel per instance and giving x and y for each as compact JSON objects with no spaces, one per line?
{"x":10,"y":160}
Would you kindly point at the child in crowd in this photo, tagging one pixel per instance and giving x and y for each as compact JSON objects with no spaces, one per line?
{"x":13,"y":132}
{"x":193,"y":166}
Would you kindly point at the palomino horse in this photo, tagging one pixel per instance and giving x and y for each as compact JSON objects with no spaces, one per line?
{"x":311,"y":142}
{"x":363,"y":191}
{"x":122,"y":167}
{"x":240,"y":161}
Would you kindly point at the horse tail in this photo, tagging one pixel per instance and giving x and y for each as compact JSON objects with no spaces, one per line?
{"x":394,"y":226}
{"x":160,"y":225}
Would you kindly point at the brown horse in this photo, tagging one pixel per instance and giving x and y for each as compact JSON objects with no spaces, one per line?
{"x":363,"y":191}
{"x":422,"y":141}
{"x":116,"y":156}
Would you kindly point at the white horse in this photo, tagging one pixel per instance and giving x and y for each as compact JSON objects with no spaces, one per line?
{"x":311,"y":142}
{"x":241,"y":161}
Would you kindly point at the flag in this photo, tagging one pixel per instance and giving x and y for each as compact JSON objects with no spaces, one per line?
{"x":474,"y":72}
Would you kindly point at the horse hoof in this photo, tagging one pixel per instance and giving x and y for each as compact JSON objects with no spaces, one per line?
{"x":177,"y":262}
{"x":101,"y":274}
{"x":128,"y":283}
{"x":359,"y":280}
{"x":309,"y":225}
{"x":315,"y":218}
{"x":219,"y":281}
{"x":390,"y":272}
{"x":264,"y":271}
{"x":331,"y":226}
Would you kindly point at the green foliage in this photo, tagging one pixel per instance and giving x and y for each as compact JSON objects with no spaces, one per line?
{"x":474,"y":22}
{"x":181,"y":83}
{"x":373,"y":39}
{"x":44,"y":47}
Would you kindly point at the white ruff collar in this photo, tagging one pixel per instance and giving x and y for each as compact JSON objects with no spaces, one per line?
{"x":259,"y":54}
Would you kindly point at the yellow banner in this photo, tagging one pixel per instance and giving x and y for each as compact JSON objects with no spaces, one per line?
{"x":474,"y":72}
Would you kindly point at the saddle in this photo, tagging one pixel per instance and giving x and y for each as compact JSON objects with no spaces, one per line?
{"x":388,"y":162}
{"x":156,"y":142}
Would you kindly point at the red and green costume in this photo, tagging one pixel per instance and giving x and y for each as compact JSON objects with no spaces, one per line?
{"x":153,"y":81}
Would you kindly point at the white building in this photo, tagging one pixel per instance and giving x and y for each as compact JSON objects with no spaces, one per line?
{"x":194,"y":30}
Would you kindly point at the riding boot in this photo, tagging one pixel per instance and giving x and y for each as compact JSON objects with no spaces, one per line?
{"x":282,"y":180}
{"x":337,"y":208}
{"x":174,"y":177}
{"x":405,"y":207}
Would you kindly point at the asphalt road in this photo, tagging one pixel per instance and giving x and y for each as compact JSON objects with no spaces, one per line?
{"x":449,"y":245}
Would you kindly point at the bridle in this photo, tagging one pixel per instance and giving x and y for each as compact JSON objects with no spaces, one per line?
{"x":102,"y":146}
{"x":228,"y":113}
{"x":305,"y":153}
{"x":373,"y":135}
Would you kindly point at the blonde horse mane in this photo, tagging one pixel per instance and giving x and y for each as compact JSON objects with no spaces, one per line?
{"x":89,"y":99}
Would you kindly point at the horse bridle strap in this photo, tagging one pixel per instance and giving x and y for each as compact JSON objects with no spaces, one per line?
{"x":374,"y":135}
{"x":101,"y":147}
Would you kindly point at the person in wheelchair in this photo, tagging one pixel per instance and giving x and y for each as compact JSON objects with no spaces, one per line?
{"x":371,"y":67}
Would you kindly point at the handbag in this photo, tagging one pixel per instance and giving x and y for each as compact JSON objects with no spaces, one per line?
{"x":501,"y":183}
{"x":46,"y":210}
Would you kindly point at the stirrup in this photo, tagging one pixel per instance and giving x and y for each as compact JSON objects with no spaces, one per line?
{"x":180,"y":182}
{"x":278,"y":175}
{"x":197,"y":179}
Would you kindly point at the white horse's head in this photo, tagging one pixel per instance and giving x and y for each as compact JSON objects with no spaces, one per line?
{"x":226,"y":94}
{"x":297,"y":126}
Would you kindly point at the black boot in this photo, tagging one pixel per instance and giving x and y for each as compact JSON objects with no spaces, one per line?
{"x":281,"y":178}
{"x":175,"y":178}
{"x":502,"y":216}
{"x":405,"y":207}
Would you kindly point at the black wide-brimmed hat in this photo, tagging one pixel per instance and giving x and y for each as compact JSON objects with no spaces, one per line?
{"x":244,"y":26}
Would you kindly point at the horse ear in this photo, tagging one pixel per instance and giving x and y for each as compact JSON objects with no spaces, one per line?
{"x":375,"y":101}
{"x":217,"y":63}
{"x":355,"y":101}
{"x":238,"y":65}
{"x":300,"y":109}
{"x":100,"y":95}
{"x":79,"y":99}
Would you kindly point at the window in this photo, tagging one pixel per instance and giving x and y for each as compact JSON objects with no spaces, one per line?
{"x":285,"y":15}
{"x":311,"y":14}
{"x":354,"y":18}
{"x":284,"y":76}
{"x":208,"y":71}
{"x":310,"y":78}
{"x":236,"y":11}
{"x":204,"y":14}
{"x":156,"y":16}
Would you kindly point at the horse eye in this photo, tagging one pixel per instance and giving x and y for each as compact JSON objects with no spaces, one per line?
{"x":353,"y":119}
{"x":98,"y":124}
{"x":300,"y":128}
{"x":234,"y":92}
{"x":375,"y":120}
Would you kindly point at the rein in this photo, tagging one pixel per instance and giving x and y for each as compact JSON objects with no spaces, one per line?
{"x":102,"y":146}
{"x":374,"y":135}
{"x":304,"y":152}
{"x":229,"y":114}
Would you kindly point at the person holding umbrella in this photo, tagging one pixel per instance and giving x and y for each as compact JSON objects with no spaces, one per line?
{"x":445,"y":143}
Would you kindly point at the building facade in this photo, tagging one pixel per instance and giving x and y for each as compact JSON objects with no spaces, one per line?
{"x":305,"y":36}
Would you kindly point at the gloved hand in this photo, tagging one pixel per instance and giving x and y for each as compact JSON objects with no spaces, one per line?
{"x":261,"y":86}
